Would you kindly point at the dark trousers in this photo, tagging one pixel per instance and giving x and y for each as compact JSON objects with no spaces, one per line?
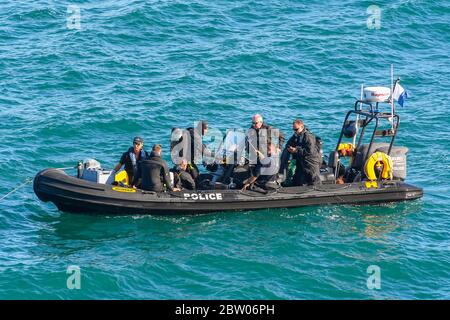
{"x":306,"y":176}
{"x":285,"y":155}
{"x":194,"y":172}
{"x":186,"y":181}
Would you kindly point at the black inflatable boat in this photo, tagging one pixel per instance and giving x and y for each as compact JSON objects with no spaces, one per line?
{"x":375,"y":173}
{"x":75,"y":195}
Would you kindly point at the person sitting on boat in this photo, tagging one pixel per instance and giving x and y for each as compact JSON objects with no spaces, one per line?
{"x":154,"y":172}
{"x":131,"y":159}
{"x":184,"y":175}
{"x":304,"y":149}
{"x":264,"y":174}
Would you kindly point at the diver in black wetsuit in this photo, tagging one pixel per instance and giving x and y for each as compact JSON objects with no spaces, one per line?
{"x":304,"y":149}
{"x":184,"y":176}
{"x":154,"y":172}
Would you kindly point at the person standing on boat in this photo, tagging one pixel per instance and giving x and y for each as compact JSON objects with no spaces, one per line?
{"x":198,"y":148}
{"x":188,"y":144}
{"x":258,"y":139}
{"x":131,"y":159}
{"x":154,"y":172}
{"x":304,"y":149}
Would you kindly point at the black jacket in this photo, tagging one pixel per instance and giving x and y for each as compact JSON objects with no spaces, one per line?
{"x":307,"y":153}
{"x":153,"y":173}
{"x":132,"y":170}
{"x":183,"y":179}
{"x":201,"y":150}
{"x":193,"y":145}
{"x":261,"y":136}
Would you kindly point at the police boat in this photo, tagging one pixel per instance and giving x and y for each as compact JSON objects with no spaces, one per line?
{"x":364,"y":168}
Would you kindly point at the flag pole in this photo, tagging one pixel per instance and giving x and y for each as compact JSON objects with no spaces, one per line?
{"x":361,"y":96}
{"x":392,"y":96}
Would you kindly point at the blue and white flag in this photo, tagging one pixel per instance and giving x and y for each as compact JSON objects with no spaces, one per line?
{"x":399,"y":94}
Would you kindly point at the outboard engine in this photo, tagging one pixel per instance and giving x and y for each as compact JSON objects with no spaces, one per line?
{"x":398,"y":156}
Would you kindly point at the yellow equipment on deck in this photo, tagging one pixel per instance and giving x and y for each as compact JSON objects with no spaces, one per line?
{"x":122,"y":177}
{"x":346,"y":149}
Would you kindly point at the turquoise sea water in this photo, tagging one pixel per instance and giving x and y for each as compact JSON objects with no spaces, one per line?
{"x":142,"y":67}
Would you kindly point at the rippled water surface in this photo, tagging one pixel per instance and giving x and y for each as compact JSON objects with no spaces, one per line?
{"x":142,"y":67}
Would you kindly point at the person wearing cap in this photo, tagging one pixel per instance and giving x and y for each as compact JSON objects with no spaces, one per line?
{"x":153,"y":173}
{"x":131,"y":159}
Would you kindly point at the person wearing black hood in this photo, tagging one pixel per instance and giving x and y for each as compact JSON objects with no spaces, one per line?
{"x":198,"y":149}
{"x":131,"y":160}
{"x":154,"y":172}
{"x":183,"y":176}
{"x":304,"y":149}
{"x":191,"y":141}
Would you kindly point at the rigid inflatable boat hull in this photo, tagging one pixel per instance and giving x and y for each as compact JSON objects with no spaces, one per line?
{"x":75,"y":195}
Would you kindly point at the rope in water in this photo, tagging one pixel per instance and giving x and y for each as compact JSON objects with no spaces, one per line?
{"x":27,"y":181}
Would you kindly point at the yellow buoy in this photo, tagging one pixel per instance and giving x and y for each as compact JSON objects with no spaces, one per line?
{"x":377,"y":160}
